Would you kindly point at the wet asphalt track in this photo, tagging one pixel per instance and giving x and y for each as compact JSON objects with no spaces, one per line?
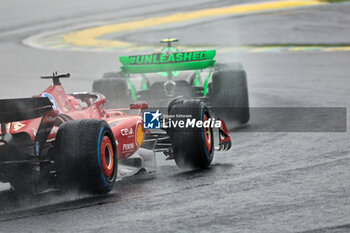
{"x":268,"y":182}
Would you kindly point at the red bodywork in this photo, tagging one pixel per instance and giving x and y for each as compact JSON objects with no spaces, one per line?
{"x":127,"y":129}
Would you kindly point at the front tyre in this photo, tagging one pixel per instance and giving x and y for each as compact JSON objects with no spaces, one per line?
{"x":86,"y":157}
{"x":192,"y":147}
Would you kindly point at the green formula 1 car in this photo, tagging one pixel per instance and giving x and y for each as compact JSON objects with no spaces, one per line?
{"x":159,"y":78}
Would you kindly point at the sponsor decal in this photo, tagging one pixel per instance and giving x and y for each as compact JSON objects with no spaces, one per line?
{"x":160,"y":58}
{"x":128,"y":147}
{"x":151,"y":120}
{"x":49,"y":119}
{"x":17,"y":125}
{"x":126,"y":132}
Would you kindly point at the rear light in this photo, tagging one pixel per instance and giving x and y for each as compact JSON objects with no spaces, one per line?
{"x":139,"y":106}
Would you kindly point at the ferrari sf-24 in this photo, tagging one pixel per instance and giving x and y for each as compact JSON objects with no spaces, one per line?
{"x":72,"y":141}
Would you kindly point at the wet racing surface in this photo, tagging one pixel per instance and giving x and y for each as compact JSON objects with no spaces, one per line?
{"x":267,"y":182}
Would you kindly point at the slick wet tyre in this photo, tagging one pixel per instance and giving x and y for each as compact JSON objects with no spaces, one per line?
{"x":230,"y":93}
{"x":193,"y":147}
{"x":86,"y":156}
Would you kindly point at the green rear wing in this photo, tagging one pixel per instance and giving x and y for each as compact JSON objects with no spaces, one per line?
{"x":159,"y":62}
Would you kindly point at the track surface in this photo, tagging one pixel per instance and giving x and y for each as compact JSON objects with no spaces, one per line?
{"x":268,"y":182}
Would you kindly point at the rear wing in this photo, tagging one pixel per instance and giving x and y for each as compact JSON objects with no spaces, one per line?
{"x":28,"y":108}
{"x":23,"y":109}
{"x":159,"y":62}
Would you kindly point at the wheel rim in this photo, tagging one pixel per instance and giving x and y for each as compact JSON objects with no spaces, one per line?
{"x":208,"y":135}
{"x":107,"y":156}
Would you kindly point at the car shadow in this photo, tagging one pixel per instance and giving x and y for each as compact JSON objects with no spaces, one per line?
{"x":18,"y":205}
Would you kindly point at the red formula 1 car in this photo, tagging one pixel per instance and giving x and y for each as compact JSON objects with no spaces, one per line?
{"x":70,"y":141}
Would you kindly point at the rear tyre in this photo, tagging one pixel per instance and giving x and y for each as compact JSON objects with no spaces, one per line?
{"x":230,"y":93}
{"x":114,"y":87}
{"x":86,"y":156}
{"x":192,"y":147}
